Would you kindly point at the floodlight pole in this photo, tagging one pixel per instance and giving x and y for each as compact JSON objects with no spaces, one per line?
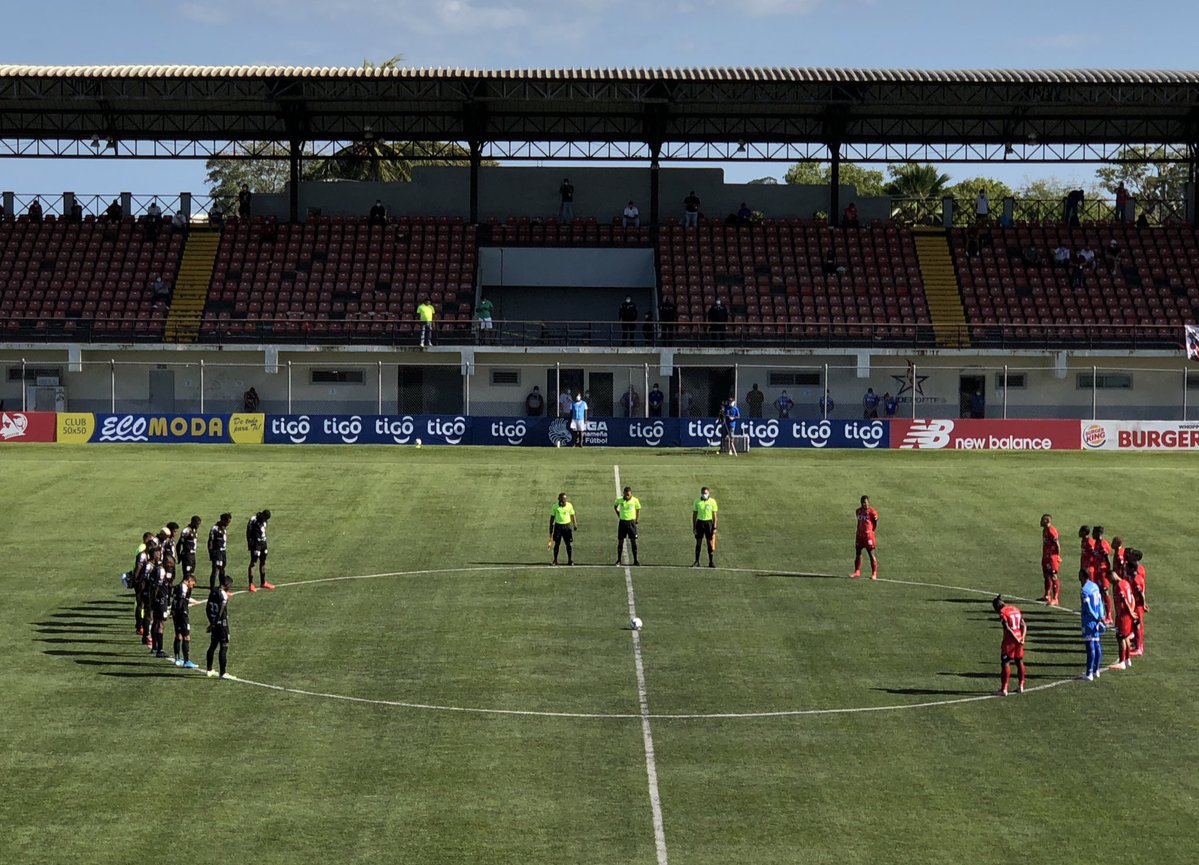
{"x":289,"y":387}
{"x":736,"y":380}
{"x":824,"y":398}
{"x":912,"y":390}
{"x":201,"y":385}
{"x":558,"y":384}
{"x":112,"y":385}
{"x":1185,"y":382}
{"x":1094,"y":393}
{"x":1005,"y":391}
{"x":645,"y":394}
{"x":379,"y":410}
{"x":24,"y":387}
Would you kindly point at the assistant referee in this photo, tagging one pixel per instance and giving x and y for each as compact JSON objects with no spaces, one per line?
{"x":562,"y":528}
{"x":703,"y":525}
{"x":628,"y":512}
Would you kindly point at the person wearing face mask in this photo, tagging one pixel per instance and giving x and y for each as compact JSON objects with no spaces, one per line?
{"x":627,"y":314}
{"x":703,"y":526}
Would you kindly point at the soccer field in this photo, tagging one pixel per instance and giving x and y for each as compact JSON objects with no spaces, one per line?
{"x":422,"y":687}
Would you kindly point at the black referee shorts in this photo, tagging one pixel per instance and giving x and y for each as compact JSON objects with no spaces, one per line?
{"x":564,"y":532}
{"x":627,"y":529}
{"x":704,"y":529}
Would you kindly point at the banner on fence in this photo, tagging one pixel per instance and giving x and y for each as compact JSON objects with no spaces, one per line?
{"x":1140,"y":435}
{"x":27,"y":426}
{"x":995,"y":435}
{"x":350,"y":429}
{"x":85,"y":427}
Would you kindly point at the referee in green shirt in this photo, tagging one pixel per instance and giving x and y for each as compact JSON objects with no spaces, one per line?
{"x":562,"y":528}
{"x":628,"y":512}
{"x":703,"y":525}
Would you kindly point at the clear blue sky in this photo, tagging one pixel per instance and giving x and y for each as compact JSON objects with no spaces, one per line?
{"x":965,"y":34}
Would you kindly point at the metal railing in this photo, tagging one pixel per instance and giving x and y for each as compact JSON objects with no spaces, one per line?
{"x":95,"y":204}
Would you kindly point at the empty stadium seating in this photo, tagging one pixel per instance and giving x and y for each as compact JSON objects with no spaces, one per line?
{"x":78,"y":281}
{"x":772,"y":275}
{"x":582,"y":232}
{"x":339,"y":278}
{"x":1144,"y":297}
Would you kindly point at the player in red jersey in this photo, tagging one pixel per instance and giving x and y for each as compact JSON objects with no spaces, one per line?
{"x":1051,"y":560}
{"x":1135,"y":573}
{"x":1118,"y":554}
{"x":1101,"y":559}
{"x":1085,"y":562}
{"x":867,"y":522}
{"x":1125,"y":617}
{"x":1012,"y":649}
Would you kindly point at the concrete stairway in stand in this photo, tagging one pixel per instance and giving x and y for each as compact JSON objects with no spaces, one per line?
{"x":941,"y":288}
{"x":191,"y":286}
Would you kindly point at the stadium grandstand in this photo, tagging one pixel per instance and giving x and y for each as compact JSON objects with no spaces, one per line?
{"x":307,"y":276}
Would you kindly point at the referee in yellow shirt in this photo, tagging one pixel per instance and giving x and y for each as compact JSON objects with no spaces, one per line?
{"x":562,"y":528}
{"x":628,"y":512}
{"x":703,"y":525}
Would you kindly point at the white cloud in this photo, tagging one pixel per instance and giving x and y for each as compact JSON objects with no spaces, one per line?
{"x":209,"y":13}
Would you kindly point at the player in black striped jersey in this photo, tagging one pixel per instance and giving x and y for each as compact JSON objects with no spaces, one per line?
{"x":135,"y":579}
{"x":217,"y":611}
{"x":256,"y":542}
{"x":185,"y":550}
{"x":180,"y":608}
{"x":218,"y":549}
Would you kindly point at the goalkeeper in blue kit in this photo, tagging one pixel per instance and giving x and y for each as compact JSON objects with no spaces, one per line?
{"x":1092,"y":613}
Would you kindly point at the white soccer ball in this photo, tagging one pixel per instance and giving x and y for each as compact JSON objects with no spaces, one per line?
{"x":635,"y":623}
{"x":418,"y":442}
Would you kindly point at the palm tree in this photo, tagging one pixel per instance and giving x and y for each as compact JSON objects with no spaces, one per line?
{"x":916,"y":191}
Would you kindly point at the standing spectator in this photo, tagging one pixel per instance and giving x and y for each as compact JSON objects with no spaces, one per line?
{"x":649,"y":329}
{"x":1061,"y":255}
{"x":75,"y":215}
{"x":179,"y":222}
{"x":244,"y":199}
{"x":691,"y":210}
{"x":627,"y":315}
{"x":655,"y":399}
{"x":483,"y":318}
{"x":718,"y":316}
{"x":784,"y":404}
{"x":566,"y":195}
{"x":564,"y":404}
{"x":730,"y":416}
{"x":1121,"y":203}
{"x":250,"y":401}
{"x":153,"y":220}
{"x":978,"y":405}
{"x":534,"y":403}
{"x":578,"y":420}
{"x":630,"y":401}
{"x":1074,"y":207}
{"x":378,"y":213}
{"x":1078,"y":274}
{"x":425,"y":314}
{"x":668,"y":314}
{"x":216,"y":218}
{"x":34,"y":210}
{"x":826,"y":404}
{"x":114,"y":212}
{"x":849,"y":217}
{"x":870,"y":404}
{"x":754,"y":400}
{"x":982,"y":207}
{"x":632,"y":215}
{"x":890,"y":404}
{"x":1111,"y":255}
{"x":745,"y":216}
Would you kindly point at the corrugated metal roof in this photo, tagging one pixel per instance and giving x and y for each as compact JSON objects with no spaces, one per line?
{"x":763,"y":74}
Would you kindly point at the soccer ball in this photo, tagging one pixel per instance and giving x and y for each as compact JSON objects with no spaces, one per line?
{"x":635,"y":624}
{"x":418,"y":442}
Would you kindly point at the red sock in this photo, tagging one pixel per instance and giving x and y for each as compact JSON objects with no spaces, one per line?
{"x":874,"y":568}
{"x":1057,"y":587}
{"x":1006,"y":677}
{"x":857,"y":563}
{"x":1048,"y":588}
{"x":1020,"y":669}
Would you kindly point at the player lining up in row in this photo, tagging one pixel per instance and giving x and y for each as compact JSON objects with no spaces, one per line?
{"x":564,"y":523}
{"x":157,"y":594}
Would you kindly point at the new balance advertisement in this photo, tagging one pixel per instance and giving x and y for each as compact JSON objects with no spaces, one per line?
{"x":988,"y":435}
{"x":1140,"y":435}
{"x":27,"y":426}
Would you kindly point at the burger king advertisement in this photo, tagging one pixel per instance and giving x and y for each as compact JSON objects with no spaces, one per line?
{"x":1140,"y":435}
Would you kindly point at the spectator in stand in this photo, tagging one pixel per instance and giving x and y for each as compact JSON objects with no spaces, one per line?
{"x":691,"y":210}
{"x":1061,"y":256}
{"x":849,"y":216}
{"x":378,"y":213}
{"x":1031,"y":255}
{"x":1088,"y":258}
{"x":425,"y":313}
{"x":826,"y":404}
{"x":870,"y":404}
{"x":784,"y":404}
{"x":534,"y":403}
{"x":754,"y":400}
{"x":3,"y":213}
{"x":668,"y":314}
{"x":1078,"y":273}
{"x":179,"y":222}
{"x":1121,"y":203}
{"x":153,"y":220}
{"x":745,"y":216}
{"x":216,"y":218}
{"x":162,"y":291}
{"x":245,"y":199}
{"x":566,"y":196}
{"x":830,"y":265}
{"x":656,"y":399}
{"x":982,"y":207}
{"x":1142,"y":220}
{"x":890,"y":404}
{"x":1111,"y":255}
{"x":649,"y":329}
{"x":114,"y":212}
{"x":630,"y":401}
{"x":483,"y":320}
{"x":718,"y":316}
{"x":627,"y":316}
{"x":632,"y":215}
{"x":75,"y":215}
{"x":565,"y":403}
{"x":978,"y":405}
{"x":34,"y":210}
{"x":1074,"y":207}
{"x":250,"y":401}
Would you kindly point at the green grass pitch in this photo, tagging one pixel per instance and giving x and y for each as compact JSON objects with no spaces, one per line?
{"x":107,"y":756}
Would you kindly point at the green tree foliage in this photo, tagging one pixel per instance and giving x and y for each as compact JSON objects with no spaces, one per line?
{"x":869,"y":182}
{"x":226,"y":174}
{"x":1156,"y":178}
{"x":965,"y":192}
{"x":918,"y":189}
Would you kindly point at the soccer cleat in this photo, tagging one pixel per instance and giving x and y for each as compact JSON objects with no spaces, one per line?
{"x":266,"y":585}
{"x":1044,"y":598}
{"x":874,"y":576}
{"x":554,"y":562}
{"x":212,"y":674}
{"x":855,"y":575}
{"x":189,"y":665}
{"x":711,"y":564}
{"x":178,"y":662}
{"x":160,"y":654}
{"x":695,"y":564}
{"x":636,"y":563}
{"x":571,"y":563}
{"x":229,"y":676}
{"x":1090,"y":677}
{"x":1136,"y":653}
{"x":139,"y":630}
{"x":253,"y":588}
{"x":145,"y":641}
{"x":1000,"y":693}
{"x":617,"y":562}
{"x":1021,"y":691}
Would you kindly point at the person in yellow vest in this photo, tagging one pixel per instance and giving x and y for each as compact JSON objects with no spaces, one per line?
{"x":628,"y":512}
{"x":703,"y":525}
{"x":425,"y":313}
{"x":563,"y":526}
